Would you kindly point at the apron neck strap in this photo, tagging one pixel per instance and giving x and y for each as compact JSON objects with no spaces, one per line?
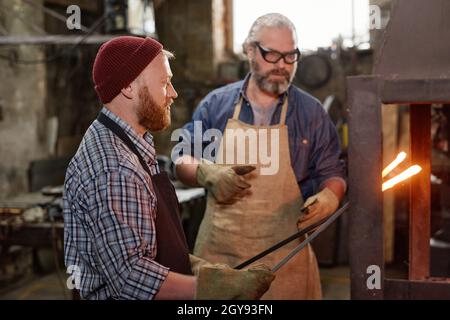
{"x":284,"y":110}
{"x":237,"y":109}
{"x":238,"y":106}
{"x":119,"y":132}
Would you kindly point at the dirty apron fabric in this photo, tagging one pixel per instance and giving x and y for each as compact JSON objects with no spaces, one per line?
{"x":172,"y":248}
{"x":233,"y":233}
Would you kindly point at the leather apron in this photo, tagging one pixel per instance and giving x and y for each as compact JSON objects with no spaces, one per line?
{"x":172,"y":248}
{"x":233,"y":233}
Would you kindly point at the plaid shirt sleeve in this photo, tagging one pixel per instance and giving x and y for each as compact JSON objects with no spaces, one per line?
{"x":122,"y":217}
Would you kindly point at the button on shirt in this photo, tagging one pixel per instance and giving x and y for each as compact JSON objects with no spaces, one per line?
{"x":313,"y":140}
{"x":109,"y":216}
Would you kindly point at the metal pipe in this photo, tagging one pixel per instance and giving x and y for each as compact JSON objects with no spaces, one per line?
{"x":297,"y":249}
{"x":322,"y":224}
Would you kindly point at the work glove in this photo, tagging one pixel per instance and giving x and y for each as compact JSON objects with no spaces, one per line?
{"x":326,"y":202}
{"x":224,"y":283}
{"x":226,"y":184}
{"x":197,"y":263}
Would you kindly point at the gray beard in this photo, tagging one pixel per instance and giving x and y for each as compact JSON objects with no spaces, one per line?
{"x":271,"y":87}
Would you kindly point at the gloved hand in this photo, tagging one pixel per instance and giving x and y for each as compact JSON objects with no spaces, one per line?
{"x":197,"y":263}
{"x":327,"y":203}
{"x":223,"y":182}
{"x":219,"y":283}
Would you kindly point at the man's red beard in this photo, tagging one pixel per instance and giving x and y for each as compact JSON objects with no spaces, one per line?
{"x":152,"y":116}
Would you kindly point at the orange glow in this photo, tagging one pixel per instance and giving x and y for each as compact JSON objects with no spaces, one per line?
{"x":400,"y":157}
{"x":411,"y":171}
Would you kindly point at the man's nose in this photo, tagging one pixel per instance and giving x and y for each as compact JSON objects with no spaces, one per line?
{"x":173,"y":93}
{"x":281,"y":64}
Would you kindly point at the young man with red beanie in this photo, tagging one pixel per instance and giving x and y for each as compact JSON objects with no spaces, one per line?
{"x":123,"y":235}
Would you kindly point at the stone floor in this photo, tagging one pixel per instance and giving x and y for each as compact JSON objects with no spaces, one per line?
{"x":48,"y":287}
{"x":335,"y":285}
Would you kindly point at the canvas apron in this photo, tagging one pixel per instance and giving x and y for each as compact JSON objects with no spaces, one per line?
{"x":233,"y":233}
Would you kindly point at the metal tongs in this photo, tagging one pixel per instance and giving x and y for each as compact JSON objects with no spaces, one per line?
{"x":320,"y":225}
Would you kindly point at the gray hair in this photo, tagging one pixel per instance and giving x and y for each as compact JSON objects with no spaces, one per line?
{"x":271,"y":20}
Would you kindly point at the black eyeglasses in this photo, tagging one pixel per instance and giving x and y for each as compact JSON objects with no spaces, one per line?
{"x":273,"y":56}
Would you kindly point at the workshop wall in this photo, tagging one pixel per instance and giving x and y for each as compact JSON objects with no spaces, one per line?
{"x":23,"y":107}
{"x":199,"y":34}
{"x":70,"y":91}
{"x":45,"y":108}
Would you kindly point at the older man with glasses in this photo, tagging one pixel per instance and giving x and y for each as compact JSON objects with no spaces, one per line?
{"x":248,"y":211}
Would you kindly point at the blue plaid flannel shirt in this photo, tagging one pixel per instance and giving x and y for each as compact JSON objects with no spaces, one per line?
{"x":109,"y":216}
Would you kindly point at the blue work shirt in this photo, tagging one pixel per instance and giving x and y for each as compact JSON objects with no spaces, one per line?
{"x":313,"y":140}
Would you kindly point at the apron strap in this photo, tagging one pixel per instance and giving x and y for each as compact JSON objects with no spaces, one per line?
{"x":118,"y":131}
{"x":237,"y":109}
{"x":238,"y":106}
{"x":284,"y":110}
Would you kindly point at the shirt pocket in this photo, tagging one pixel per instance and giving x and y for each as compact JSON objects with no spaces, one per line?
{"x":300,"y":149}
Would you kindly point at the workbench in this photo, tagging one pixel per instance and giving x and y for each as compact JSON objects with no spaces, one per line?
{"x":44,"y":233}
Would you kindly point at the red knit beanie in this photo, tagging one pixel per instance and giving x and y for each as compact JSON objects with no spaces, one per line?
{"x":119,"y":61}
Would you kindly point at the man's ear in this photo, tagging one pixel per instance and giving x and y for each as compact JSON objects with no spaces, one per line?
{"x":128,"y":92}
{"x":250,"y":52}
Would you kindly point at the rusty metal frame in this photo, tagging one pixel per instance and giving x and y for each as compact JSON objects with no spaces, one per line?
{"x":366,"y":95}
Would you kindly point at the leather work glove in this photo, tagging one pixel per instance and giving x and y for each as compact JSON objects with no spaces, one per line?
{"x":197,"y":263}
{"x":326,"y":203}
{"x":226,"y":184}
{"x":224,"y":283}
